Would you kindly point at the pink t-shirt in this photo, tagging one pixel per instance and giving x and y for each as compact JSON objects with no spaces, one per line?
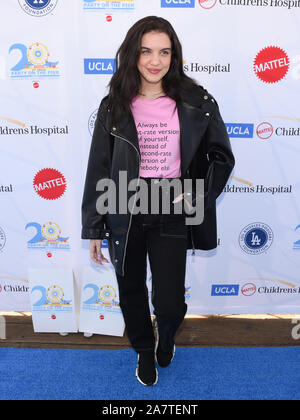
{"x":158,"y":130}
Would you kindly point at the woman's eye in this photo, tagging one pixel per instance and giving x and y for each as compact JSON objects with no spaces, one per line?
{"x":162,"y":52}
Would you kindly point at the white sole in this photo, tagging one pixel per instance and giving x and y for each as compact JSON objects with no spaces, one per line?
{"x":141,"y":382}
{"x":174,"y":349}
{"x":156,"y":346}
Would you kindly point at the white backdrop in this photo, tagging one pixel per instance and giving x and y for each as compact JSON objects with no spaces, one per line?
{"x":56,"y":59}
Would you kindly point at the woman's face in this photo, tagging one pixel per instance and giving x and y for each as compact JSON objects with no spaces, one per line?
{"x":155,"y":58}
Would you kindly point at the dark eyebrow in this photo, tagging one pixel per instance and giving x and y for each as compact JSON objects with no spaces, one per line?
{"x":163,"y":49}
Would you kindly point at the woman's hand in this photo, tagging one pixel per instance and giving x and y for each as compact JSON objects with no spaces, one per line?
{"x":95,"y":251}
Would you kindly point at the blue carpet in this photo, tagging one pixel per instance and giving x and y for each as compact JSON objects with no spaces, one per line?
{"x":195,"y":374}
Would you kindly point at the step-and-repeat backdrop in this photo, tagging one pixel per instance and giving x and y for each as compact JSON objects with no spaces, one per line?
{"x":56,"y":60}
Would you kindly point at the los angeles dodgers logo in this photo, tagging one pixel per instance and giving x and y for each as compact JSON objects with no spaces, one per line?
{"x":2,"y":239}
{"x":92,"y":121}
{"x":256,"y":238}
{"x":38,"y":8}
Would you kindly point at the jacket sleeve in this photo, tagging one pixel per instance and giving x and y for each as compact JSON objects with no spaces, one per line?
{"x":220,"y":159}
{"x":99,"y":164}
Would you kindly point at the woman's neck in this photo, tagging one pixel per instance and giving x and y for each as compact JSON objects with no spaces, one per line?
{"x":151,"y":91}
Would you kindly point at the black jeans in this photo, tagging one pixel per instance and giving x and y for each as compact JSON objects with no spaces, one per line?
{"x":164,"y":238}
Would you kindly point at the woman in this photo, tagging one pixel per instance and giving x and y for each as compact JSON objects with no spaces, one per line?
{"x":155,"y":124}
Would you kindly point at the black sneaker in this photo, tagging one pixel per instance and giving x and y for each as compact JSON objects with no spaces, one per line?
{"x":146,"y":372}
{"x":164,"y":358}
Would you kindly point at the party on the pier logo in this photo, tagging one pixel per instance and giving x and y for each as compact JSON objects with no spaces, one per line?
{"x":34,"y":62}
{"x":109,"y":5}
{"x":47,"y":237}
{"x":103,"y":297}
{"x":52,"y":298}
{"x":296,"y":246}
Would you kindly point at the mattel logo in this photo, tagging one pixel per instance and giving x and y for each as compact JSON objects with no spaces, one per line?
{"x":241,"y":131}
{"x":178,"y":3}
{"x":99,"y":66}
{"x":225,"y":290}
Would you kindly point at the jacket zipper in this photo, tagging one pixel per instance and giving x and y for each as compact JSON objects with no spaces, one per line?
{"x":191,"y":230}
{"x":125,"y":248}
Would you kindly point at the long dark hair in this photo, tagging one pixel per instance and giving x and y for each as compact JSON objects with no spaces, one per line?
{"x":125,"y":83}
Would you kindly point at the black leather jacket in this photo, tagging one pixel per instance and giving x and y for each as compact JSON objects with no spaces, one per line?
{"x":205,"y":154}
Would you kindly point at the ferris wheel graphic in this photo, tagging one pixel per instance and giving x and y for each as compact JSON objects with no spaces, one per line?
{"x":38,"y":54}
{"x":55,"y":294}
{"x":51,"y":231}
{"x":107,"y":294}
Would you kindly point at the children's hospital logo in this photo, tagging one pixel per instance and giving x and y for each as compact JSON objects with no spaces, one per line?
{"x":34,"y":62}
{"x":38,"y":8}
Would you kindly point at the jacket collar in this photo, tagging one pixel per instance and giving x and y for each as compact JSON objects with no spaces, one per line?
{"x":194,"y":114}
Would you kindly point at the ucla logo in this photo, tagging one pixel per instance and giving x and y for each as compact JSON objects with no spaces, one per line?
{"x":178,"y":3}
{"x":242,"y":131}
{"x":99,"y":66}
{"x":256,"y":238}
{"x":38,"y":8}
{"x":34,"y":62}
{"x":225,"y":290}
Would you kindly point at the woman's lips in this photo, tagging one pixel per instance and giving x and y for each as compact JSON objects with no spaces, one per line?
{"x":153,"y":71}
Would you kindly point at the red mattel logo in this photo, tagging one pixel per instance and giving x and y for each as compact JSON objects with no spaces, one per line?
{"x":271,"y":64}
{"x":207,"y":4}
{"x":49,"y":184}
{"x":249,"y":289}
{"x":265,"y":130}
